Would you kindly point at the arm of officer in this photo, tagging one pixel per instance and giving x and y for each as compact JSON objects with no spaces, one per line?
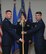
{"x":10,"y":30}
{"x":35,"y":29}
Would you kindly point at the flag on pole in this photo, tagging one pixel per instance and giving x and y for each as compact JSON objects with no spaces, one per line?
{"x":22,"y":9}
{"x":30,"y":18}
{"x":14,"y":13}
{"x":22,"y":5}
{"x":15,"y":45}
{"x":0,"y":31}
{"x":19,"y":14}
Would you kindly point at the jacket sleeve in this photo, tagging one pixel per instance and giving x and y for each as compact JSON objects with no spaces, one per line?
{"x":13,"y":26}
{"x":35,"y":29}
{"x":18,"y":29}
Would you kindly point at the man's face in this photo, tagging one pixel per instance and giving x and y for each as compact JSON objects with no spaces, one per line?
{"x":38,"y":17}
{"x":9,"y":15}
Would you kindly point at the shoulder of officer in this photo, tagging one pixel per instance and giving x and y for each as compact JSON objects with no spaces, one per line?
{"x":5,"y":19}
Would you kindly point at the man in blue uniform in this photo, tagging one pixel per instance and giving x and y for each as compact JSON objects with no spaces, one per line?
{"x":9,"y":34}
{"x":38,"y":32}
{"x":19,"y":32}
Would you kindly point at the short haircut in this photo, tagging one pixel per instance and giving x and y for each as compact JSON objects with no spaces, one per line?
{"x":8,"y":11}
{"x":39,"y":12}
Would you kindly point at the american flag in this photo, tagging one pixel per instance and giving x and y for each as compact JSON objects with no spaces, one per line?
{"x":0,"y":31}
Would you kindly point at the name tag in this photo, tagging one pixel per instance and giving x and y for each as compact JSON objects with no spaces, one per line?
{"x":28,"y":25}
{"x":35,"y":25}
